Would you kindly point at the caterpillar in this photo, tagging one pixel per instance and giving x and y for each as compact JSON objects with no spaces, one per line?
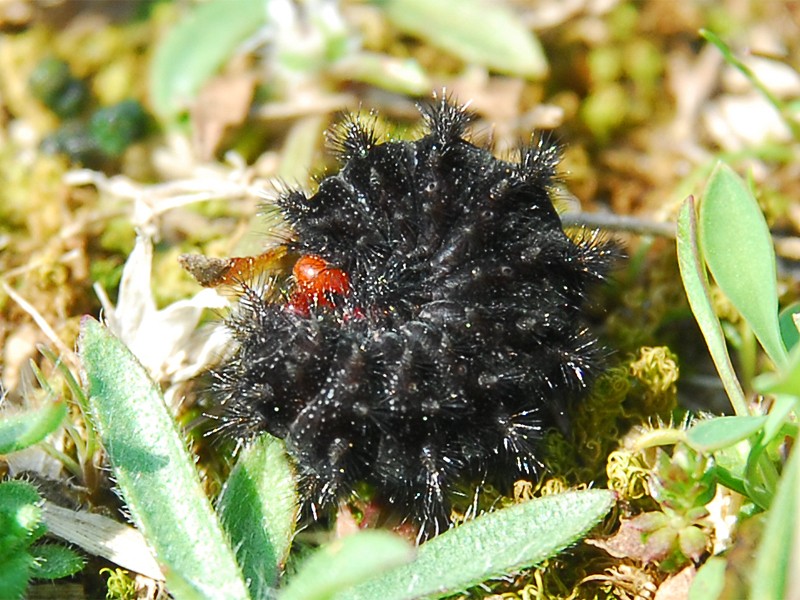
{"x":432,"y":328}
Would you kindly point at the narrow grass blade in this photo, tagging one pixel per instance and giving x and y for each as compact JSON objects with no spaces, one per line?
{"x":737,"y":246}
{"x":346,"y":562}
{"x":484,"y":33}
{"x":154,"y":472}
{"x":79,"y":396}
{"x":492,"y":545}
{"x":197,"y":47}
{"x":785,"y":110}
{"x":26,"y":429}
{"x":258,"y":510}
{"x":695,"y":283}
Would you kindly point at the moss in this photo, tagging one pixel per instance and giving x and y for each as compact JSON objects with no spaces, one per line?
{"x":650,"y":303}
{"x":601,"y":412}
{"x":107,"y":272}
{"x":627,"y":474}
{"x":604,"y":110}
{"x":656,"y":373}
{"x":32,"y":195}
{"x":52,"y":83}
{"x":643,"y":64}
{"x":623,"y":21}
{"x":21,"y":53}
{"x":628,"y":394}
{"x":170,"y":282}
{"x":114,"y":57}
{"x":117,"y":81}
{"x":608,"y":74}
{"x":118,"y":236}
{"x":120,"y":585}
{"x":559,"y":454}
{"x":605,"y":64}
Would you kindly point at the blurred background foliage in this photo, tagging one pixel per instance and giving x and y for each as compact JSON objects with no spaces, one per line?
{"x":177,"y":119}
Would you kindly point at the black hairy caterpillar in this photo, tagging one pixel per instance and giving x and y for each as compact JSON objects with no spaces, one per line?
{"x":432,"y":329}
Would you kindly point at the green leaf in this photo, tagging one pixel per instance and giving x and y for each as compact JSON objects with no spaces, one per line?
{"x":720,"y":432}
{"x":695,"y":283}
{"x":709,"y":581}
{"x":789,"y":331}
{"x":346,"y":562}
{"x":476,"y":31}
{"x":31,"y":427}
{"x":737,"y":247}
{"x":197,"y":47}
{"x":20,"y":511}
{"x":154,"y":472}
{"x":785,"y":381}
{"x":775,"y":556}
{"x":760,"y":476}
{"x":15,"y":572}
{"x":258,"y":510}
{"x":731,"y":478}
{"x":402,"y":76}
{"x":782,"y":408}
{"x":490,"y":546}
{"x":53,"y":561}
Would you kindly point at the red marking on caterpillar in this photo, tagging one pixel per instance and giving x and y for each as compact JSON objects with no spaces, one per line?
{"x":316,"y":283}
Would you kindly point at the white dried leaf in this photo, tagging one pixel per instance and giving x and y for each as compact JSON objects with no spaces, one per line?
{"x":165,"y":341}
{"x":740,"y":122}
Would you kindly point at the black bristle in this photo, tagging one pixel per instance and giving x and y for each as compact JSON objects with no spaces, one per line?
{"x":459,"y":341}
{"x":354,"y":137}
